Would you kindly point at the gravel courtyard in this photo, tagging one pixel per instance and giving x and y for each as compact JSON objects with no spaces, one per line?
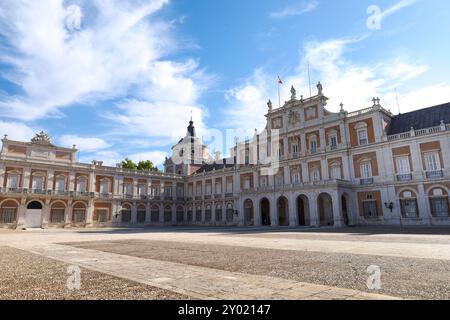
{"x":197,"y":263}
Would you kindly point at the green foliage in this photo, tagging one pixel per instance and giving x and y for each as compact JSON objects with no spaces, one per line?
{"x":146,"y":165}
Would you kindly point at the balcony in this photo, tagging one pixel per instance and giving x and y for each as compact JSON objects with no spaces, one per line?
{"x":105,"y":195}
{"x":295,"y":155}
{"x":434,"y":174}
{"x":14,"y":190}
{"x":143,"y":197}
{"x":170,"y":198}
{"x":218,"y":196}
{"x":404,"y":177}
{"x":367,"y":181}
{"x":229,"y":195}
{"x":208,"y":197}
{"x":60,"y":193}
{"x":81,"y":194}
{"x":39,"y":191}
{"x":128,"y":196}
{"x":198,"y":197}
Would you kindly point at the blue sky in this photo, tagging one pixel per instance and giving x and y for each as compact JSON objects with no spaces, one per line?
{"x":120,"y":78}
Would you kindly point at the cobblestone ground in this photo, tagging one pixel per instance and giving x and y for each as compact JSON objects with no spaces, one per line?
{"x":401,"y":277}
{"x":26,"y":276}
{"x":415,"y":262}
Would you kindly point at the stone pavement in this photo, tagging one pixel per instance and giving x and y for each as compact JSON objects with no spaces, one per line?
{"x":197,"y":282}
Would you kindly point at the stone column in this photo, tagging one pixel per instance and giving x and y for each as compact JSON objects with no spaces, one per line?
{"x":26,"y":178}
{"x":345,"y":167}
{"x":90,"y":213}
{"x":224,"y":213}
{"x":257,"y":212}
{"x":135,"y":188}
{"x":21,"y":212}
{"x":273,"y":211}
{"x":161,"y":213}
{"x":174,"y":213}
{"x":92,"y":182}
{"x":303,"y":144}
{"x":325,"y":171}
{"x":148,"y":213}
{"x":72,"y":181}
{"x":68,"y":215}
{"x":337,"y":217}
{"x":213,"y":213}
{"x":293,"y":219}
{"x":133,"y":213}
{"x":50,"y":176}
{"x":46,"y":213}
{"x":423,"y":206}
{"x":323,"y":142}
{"x":313,"y":210}
{"x":2,"y":175}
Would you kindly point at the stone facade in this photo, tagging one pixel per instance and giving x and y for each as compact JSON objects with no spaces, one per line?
{"x":332,"y":169}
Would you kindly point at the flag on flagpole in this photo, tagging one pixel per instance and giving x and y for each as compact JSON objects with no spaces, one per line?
{"x":279,"y":80}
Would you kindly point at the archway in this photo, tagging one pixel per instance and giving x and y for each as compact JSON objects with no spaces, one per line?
{"x":154,"y":212}
{"x":180,"y":214}
{"x":248,"y":212}
{"x":303,"y":211}
{"x":167,"y":214}
{"x":57,"y":213}
{"x":345,"y":209}
{"x":79,"y":214}
{"x":126,"y":213}
{"x":265,"y":212}
{"x":325,"y":205}
{"x":141,"y":213}
{"x":283,"y":211}
{"x":8,"y":212}
{"x":218,"y":214}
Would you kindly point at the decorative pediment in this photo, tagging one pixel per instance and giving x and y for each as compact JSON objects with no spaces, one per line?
{"x":42,"y":138}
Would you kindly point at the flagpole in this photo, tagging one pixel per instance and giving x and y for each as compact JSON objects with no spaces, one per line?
{"x":309,"y":77}
{"x":279,"y":96}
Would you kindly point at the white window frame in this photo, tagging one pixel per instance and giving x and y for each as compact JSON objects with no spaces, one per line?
{"x":295,"y":148}
{"x":333,"y":141}
{"x":13,"y":180}
{"x":363,"y":137}
{"x":335,"y":172}
{"x":432,"y":161}
{"x":34,"y":185}
{"x":403,"y":166}
{"x":81,"y":185}
{"x":58,"y":181}
{"x":366,"y":170}
{"x":315,"y":175}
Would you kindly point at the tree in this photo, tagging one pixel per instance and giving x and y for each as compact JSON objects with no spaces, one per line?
{"x":128,"y":164}
{"x":147,"y":165}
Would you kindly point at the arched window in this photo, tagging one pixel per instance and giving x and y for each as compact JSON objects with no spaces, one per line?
{"x":230,"y":212}
{"x":140,"y":214}
{"x":13,"y":180}
{"x":439,"y":203}
{"x":408,"y":204}
{"x":57,"y":213}
{"x":60,"y":184}
{"x":81,"y":184}
{"x":315,"y":174}
{"x":335,"y":171}
{"x":37,"y":183}
{"x":361,"y":132}
{"x":126,"y":213}
{"x":155,"y":213}
{"x":79,"y":213}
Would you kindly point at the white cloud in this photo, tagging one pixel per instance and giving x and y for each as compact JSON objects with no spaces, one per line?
{"x":295,"y":10}
{"x":343,"y":80}
{"x":83,"y":144}
{"x":157,"y":157}
{"x":17,"y":131}
{"x":397,"y":7}
{"x":90,"y":52}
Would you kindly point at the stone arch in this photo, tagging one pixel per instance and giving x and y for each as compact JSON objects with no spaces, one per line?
{"x":190,"y":214}
{"x":283,"y":211}
{"x":230,"y":212}
{"x":198,"y":214}
{"x":249,"y":215}
{"x":438,"y":200}
{"x":34,"y":202}
{"x":265,"y":212}
{"x":79,"y":213}
{"x":208,"y":213}
{"x":8,"y":211}
{"x":303,"y":213}
{"x":325,"y":208}
{"x":57,"y":212}
{"x":126,"y":212}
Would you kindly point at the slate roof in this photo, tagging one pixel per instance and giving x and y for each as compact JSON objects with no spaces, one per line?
{"x":420,"y":119}
{"x":215,"y":166}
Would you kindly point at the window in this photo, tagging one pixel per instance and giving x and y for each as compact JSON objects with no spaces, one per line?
{"x":335,"y":172}
{"x":409,"y":208}
{"x":199,"y":190}
{"x":8,"y":215}
{"x":315,"y":175}
{"x":79,"y":215}
{"x":295,"y":178}
{"x":208,"y":189}
{"x":279,"y":180}
{"x":141,"y":189}
{"x":403,"y":165}
{"x":432,"y":162}
{"x":219,"y":188}
{"x":263,"y":181}
{"x":104,"y":187}
{"x":370,"y":209}
{"x":127,"y":188}
{"x":313,"y":145}
{"x":126,"y":215}
{"x":60,"y":184}
{"x":366,"y":170}
{"x":81,"y":185}
{"x":190,"y":191}
{"x":102,"y":216}
{"x":333,"y":141}
{"x":246,"y":183}
{"x":13,"y":181}
{"x":439,"y":207}
{"x":140,"y":215}
{"x":362,"y":137}
{"x":168,"y":191}
{"x":229,"y":186}
{"x":57,"y":215}
{"x":38,"y":183}
{"x":295,"y":149}
{"x":279,"y":153}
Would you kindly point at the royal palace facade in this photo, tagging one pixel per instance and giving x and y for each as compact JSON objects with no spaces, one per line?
{"x":309,"y":167}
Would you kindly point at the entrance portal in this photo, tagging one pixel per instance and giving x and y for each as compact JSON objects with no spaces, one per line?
{"x":33,"y":216}
{"x":265,"y":212}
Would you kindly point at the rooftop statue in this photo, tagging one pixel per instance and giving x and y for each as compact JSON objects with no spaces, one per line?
{"x":320,"y":89}
{"x":42,"y":138}
{"x":293,"y":93}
